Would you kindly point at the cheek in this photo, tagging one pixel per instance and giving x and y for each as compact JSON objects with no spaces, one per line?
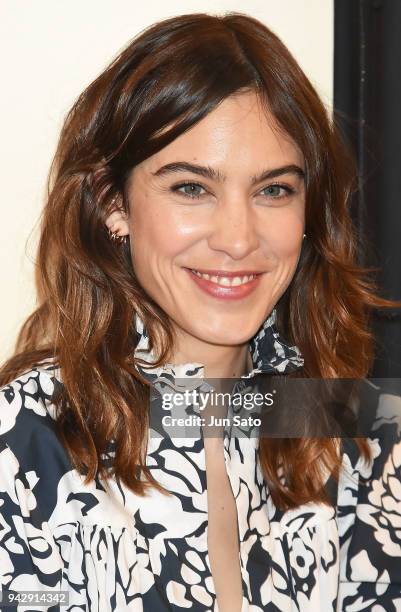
{"x":283,"y":234}
{"x":158,"y":238}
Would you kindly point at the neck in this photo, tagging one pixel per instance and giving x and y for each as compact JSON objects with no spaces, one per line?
{"x":220,"y":361}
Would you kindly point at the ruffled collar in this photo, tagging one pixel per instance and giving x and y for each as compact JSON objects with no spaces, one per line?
{"x":269,"y":353}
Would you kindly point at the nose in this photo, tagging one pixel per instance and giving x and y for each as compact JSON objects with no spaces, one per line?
{"x":234,"y":228}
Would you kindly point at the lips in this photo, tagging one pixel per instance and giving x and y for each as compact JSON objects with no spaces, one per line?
{"x":226,"y":284}
{"x":224,"y":280}
{"x":227,"y":273}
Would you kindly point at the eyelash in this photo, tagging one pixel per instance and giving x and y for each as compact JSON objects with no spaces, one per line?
{"x":289,"y":190}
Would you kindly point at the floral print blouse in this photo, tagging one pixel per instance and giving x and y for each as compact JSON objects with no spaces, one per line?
{"x":110,"y":549}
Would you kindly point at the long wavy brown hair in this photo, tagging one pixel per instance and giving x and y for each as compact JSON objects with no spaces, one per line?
{"x":167,"y":79}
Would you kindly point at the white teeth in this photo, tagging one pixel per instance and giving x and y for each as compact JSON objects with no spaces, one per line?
{"x":226,"y":281}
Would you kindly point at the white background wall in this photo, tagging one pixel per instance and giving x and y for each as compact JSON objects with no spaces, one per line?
{"x":50,"y":50}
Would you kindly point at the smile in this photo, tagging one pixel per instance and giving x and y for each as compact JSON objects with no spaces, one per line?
{"x":225,"y":285}
{"x":225,"y":281}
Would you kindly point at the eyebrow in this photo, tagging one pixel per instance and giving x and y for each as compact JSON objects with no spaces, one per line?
{"x":211,"y":173}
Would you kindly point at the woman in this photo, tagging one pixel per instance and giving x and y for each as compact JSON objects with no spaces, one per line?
{"x":196,"y":226}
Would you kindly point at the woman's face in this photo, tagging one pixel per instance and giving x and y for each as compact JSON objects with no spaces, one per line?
{"x":202,"y":204}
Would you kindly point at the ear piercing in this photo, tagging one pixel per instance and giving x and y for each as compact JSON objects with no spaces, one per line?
{"x":113,"y":235}
{"x":116,"y":238}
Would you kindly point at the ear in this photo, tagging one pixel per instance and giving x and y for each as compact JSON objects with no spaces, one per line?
{"x":117,"y":222}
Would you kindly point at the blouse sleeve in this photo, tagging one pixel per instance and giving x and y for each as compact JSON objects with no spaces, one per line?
{"x":29,"y":556}
{"x":369,"y":516}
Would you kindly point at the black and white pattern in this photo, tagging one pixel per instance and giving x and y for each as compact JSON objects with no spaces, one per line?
{"x":115,"y":551}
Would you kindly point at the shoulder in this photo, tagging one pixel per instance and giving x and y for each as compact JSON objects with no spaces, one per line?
{"x":27,"y":427}
{"x":30,"y":393}
{"x":380,"y":424}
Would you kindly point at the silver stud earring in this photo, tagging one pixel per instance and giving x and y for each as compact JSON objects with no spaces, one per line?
{"x":304,"y":236}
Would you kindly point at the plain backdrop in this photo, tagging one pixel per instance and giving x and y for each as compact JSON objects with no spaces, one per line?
{"x":50,"y":50}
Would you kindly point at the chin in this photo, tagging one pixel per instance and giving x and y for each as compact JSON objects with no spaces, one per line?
{"x":225,"y":339}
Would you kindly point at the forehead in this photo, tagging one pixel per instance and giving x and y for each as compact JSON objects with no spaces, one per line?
{"x":239,"y":133}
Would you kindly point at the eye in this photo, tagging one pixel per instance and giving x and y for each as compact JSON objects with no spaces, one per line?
{"x":191,"y":190}
{"x":278,"y":191}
